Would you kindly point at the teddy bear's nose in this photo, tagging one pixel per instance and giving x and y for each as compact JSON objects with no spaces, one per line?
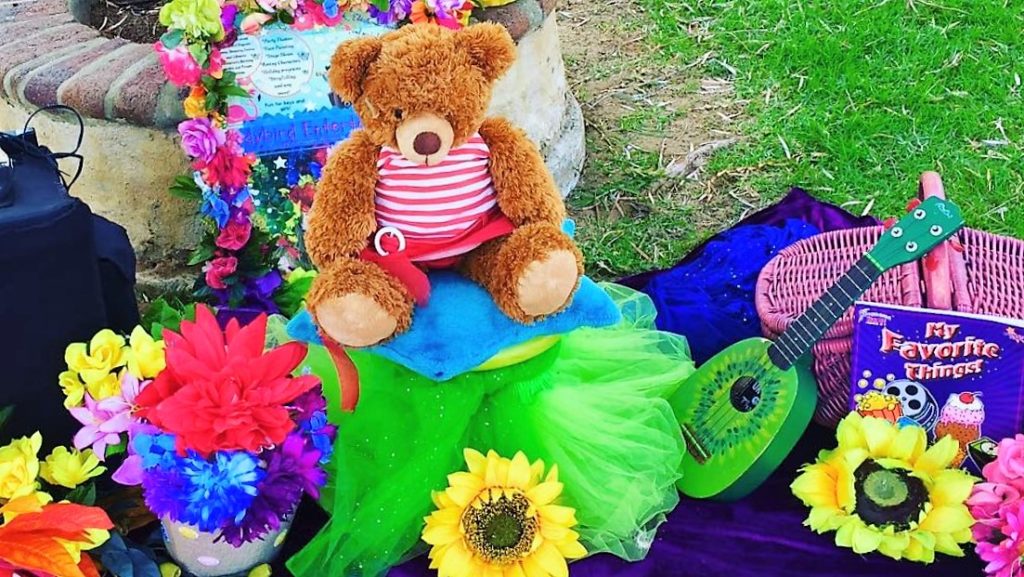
{"x":426,"y":143}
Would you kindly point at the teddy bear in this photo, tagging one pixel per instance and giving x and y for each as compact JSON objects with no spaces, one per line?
{"x":429,"y":181}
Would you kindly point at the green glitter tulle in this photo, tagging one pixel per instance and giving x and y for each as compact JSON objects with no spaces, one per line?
{"x":594,"y":405}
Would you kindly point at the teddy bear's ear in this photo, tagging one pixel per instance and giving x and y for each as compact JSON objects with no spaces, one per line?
{"x":350,"y":64}
{"x":490,"y":48}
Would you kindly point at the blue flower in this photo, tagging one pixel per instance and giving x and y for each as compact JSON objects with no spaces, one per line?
{"x":240,"y":197}
{"x":331,"y":8}
{"x":218,"y":492}
{"x":215,"y":208}
{"x":156,"y":450}
{"x":321,"y":435}
{"x":314,"y":170}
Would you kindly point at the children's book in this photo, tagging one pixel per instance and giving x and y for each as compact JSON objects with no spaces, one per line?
{"x":952,"y":373}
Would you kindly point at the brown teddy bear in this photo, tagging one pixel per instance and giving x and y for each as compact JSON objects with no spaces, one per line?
{"x":430,"y":181}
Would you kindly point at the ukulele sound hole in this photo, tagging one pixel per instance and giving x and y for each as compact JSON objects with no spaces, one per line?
{"x":745,"y":394}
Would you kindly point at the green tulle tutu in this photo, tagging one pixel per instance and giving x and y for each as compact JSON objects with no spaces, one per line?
{"x":594,"y":405}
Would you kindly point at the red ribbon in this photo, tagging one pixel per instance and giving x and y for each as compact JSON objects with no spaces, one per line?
{"x":348,"y":375}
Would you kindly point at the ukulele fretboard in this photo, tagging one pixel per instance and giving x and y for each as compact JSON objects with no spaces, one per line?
{"x":799,"y":338}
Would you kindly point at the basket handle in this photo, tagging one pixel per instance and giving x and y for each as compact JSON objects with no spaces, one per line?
{"x":943,"y":269}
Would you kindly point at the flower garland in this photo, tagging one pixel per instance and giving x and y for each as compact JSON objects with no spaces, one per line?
{"x":246,"y":257}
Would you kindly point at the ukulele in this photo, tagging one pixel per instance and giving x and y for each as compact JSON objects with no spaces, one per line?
{"x":743,"y":411}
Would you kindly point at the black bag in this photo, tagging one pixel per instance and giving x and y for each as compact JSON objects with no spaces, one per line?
{"x":64,"y":275}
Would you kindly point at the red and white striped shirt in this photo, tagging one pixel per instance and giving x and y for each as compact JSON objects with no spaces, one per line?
{"x":436,"y":205}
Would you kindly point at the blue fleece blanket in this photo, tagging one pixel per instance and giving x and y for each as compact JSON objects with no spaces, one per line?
{"x":461,"y":328}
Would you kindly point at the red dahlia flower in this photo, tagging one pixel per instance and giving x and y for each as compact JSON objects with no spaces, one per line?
{"x":220,"y":391}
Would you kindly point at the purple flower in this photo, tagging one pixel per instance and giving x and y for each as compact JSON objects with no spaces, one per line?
{"x":397,"y":11}
{"x":161,"y":489}
{"x":310,"y":402}
{"x":200,"y":138}
{"x":292,"y":469}
{"x":228,"y":13}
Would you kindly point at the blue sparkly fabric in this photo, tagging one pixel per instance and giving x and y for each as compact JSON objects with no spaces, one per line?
{"x":710,"y":299}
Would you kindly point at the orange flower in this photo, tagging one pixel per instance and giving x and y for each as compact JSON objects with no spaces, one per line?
{"x":195,"y":104}
{"x":51,"y":540}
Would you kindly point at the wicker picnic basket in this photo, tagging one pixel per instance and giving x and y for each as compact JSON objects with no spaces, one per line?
{"x":973,"y":272}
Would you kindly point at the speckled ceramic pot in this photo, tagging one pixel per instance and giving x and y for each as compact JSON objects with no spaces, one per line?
{"x":201,"y":555}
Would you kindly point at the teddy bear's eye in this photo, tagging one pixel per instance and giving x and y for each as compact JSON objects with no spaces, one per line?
{"x":398,"y":113}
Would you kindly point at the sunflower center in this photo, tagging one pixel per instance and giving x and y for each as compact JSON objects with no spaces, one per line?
{"x":503,"y":530}
{"x":888,"y":497}
{"x":498,"y":528}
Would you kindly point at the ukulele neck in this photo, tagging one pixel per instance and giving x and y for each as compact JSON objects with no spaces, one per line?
{"x":797,"y":340}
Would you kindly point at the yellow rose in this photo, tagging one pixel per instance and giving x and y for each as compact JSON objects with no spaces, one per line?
{"x":195,"y":107}
{"x":19,"y":467}
{"x":73,"y":388}
{"x":108,"y":386}
{"x":70,"y":468}
{"x":106,"y":352}
{"x":146,"y":356}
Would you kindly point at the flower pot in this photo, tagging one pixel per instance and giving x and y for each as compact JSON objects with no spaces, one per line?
{"x":202,"y":555}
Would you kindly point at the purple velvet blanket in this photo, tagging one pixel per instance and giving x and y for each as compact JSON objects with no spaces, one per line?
{"x":760,"y":536}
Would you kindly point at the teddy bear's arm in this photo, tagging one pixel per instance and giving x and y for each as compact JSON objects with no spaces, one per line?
{"x":526,"y":192}
{"x":342,"y":218}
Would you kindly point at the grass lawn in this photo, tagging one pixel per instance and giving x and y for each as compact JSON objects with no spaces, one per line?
{"x":850,"y":100}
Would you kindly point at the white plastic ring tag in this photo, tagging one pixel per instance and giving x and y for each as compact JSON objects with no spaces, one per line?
{"x":393,"y":232}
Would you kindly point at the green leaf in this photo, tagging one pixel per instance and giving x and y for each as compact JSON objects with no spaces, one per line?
{"x":83,"y":495}
{"x":286,"y":18}
{"x":289,"y":298}
{"x":235,"y":90}
{"x":211,"y":100}
{"x":172,"y":38}
{"x":117,"y":449}
{"x":5,"y":415}
{"x":185,"y":187}
{"x":201,"y":254}
{"x":382,"y":5}
{"x":200,"y":52}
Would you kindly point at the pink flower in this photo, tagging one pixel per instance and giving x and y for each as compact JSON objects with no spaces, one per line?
{"x":200,"y":138}
{"x":179,"y":66}
{"x":105,"y":420}
{"x":219,"y":269}
{"x":1009,"y":464}
{"x":235,"y":234}
{"x":215,"y":66}
{"x":987,"y":504}
{"x":1004,"y":558}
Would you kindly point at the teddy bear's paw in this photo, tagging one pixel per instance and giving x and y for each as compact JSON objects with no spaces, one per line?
{"x":355,"y":320}
{"x":547,"y":284}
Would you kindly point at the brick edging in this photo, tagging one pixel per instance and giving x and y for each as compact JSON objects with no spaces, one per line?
{"x":46,"y":58}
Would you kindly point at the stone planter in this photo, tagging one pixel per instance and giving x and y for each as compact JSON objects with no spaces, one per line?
{"x":131,"y":149}
{"x":203,"y":556}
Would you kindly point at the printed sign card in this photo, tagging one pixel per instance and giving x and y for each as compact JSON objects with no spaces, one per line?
{"x":291,"y":119}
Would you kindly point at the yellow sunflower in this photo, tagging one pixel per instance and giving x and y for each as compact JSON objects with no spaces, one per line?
{"x":499,"y":520}
{"x":883,"y":489}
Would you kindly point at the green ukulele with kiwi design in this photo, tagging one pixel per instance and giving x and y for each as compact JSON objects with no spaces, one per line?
{"x":744,"y":409}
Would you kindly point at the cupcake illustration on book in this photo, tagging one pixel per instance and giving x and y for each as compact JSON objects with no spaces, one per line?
{"x":961,"y":418}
